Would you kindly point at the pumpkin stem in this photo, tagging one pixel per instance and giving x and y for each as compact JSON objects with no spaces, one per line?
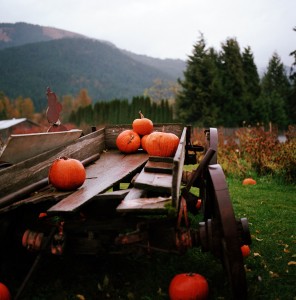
{"x":64,"y":157}
{"x":141,"y":115}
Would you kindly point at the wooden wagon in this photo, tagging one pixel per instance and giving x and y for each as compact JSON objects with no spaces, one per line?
{"x":109,"y":211}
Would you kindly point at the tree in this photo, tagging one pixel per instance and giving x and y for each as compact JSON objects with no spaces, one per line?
{"x":291,"y":102}
{"x":234,"y":106}
{"x":252,"y":87}
{"x":195,"y":101}
{"x":275,"y":89}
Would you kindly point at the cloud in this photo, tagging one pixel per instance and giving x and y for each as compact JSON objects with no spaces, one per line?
{"x":168,"y":28}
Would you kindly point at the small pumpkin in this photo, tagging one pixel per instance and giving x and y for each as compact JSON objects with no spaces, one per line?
{"x":249,"y":181}
{"x":143,"y":141}
{"x":66,"y":174}
{"x":245,"y":250}
{"x":142,"y":125}
{"x":4,"y":292}
{"x":188,"y":286}
{"x":162,"y":144}
{"x":128,"y":141}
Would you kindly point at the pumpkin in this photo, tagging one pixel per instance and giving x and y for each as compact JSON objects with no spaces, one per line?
{"x":66,"y":174}
{"x":188,"y":286}
{"x":143,"y":125}
{"x":245,"y":250}
{"x":249,"y":181}
{"x":162,"y":144}
{"x":128,"y":141}
{"x":4,"y":292}
{"x":143,"y":141}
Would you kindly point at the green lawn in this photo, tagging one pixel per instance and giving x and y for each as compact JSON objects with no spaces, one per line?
{"x":271,"y":211}
{"x":271,"y":270}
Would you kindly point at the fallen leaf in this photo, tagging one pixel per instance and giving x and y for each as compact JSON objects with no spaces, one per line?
{"x":130,"y":296}
{"x":286,"y":250}
{"x":290,"y":263}
{"x":273,"y":274}
{"x":256,"y":254}
{"x":106,"y":281}
{"x":259,"y":240}
{"x":80,"y":297}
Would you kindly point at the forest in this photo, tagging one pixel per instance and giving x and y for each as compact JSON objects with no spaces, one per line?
{"x":219,"y":88}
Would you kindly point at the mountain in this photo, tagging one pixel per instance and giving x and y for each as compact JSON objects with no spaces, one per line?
{"x":33,"y":57}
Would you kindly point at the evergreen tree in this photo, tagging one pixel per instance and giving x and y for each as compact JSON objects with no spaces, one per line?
{"x":234,"y":108}
{"x":291,"y":103}
{"x":252,"y":87}
{"x":275,"y":89}
{"x":195,"y":102}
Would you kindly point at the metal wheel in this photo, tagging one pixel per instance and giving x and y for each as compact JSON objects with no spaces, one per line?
{"x":223,"y":232}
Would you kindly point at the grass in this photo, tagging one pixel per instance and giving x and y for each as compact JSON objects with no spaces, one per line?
{"x":271,"y":270}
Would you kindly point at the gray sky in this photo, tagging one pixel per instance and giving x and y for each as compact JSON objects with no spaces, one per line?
{"x":168,"y":28}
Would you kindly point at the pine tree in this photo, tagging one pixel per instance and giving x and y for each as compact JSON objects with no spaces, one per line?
{"x":275,"y":91}
{"x":252,"y":87}
{"x":195,"y":101}
{"x":291,"y":102}
{"x":234,"y":108}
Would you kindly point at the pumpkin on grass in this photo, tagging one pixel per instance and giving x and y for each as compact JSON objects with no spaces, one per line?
{"x":128,"y":141}
{"x":249,"y":181}
{"x":245,"y":250}
{"x":162,"y":144}
{"x":143,"y":125}
{"x":188,"y":286}
{"x":66,"y":174}
{"x":4,"y":292}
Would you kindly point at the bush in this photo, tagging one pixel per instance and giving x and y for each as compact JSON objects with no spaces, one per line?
{"x":252,"y":152}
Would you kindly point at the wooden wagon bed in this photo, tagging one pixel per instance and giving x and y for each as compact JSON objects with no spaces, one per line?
{"x":153,"y":181}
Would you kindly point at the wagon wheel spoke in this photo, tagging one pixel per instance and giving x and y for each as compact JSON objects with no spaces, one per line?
{"x":225,"y":233}
{"x":212,"y":142}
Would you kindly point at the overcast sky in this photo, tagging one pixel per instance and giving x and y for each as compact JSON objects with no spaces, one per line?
{"x":168,"y":28}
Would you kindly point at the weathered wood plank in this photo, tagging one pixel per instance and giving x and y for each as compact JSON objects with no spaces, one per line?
{"x":36,"y":168}
{"x":154,"y":204}
{"x":154,"y":182}
{"x":159,"y":165}
{"x":110,"y":169}
{"x":20,"y":147}
{"x":179,"y":159}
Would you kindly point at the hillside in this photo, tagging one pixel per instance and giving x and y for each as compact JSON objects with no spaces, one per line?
{"x":33,"y":57}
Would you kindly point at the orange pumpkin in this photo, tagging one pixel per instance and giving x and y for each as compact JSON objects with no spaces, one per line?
{"x":4,"y":292}
{"x":143,"y":125}
{"x":143,"y":141}
{"x":66,"y":174}
{"x":188,"y":286}
{"x":249,"y":181}
{"x":245,"y":250}
{"x":128,"y":141}
{"x":162,"y":144}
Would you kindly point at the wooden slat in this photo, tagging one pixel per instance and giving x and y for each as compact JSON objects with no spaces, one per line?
{"x":161,"y":183}
{"x":110,"y":169}
{"x":155,"y":204}
{"x":20,"y":147}
{"x":179,"y":159}
{"x":159,"y":167}
{"x":34,"y":169}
